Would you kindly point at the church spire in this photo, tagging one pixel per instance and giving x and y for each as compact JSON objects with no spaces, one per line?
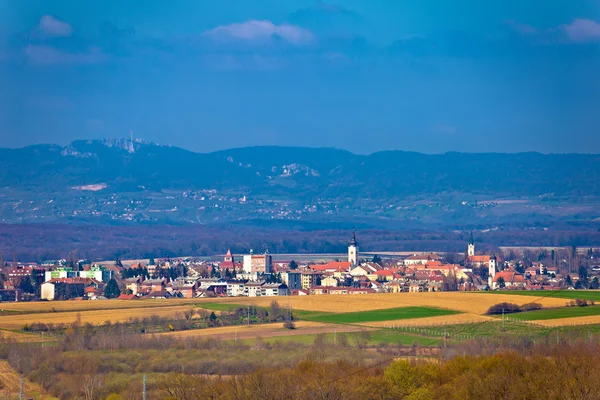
{"x":353,"y":241}
{"x":471,"y":241}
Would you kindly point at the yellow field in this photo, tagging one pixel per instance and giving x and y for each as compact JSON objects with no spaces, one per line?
{"x":587,"y":320}
{"x":93,"y":317}
{"x":59,"y":306}
{"x":469,"y":302}
{"x":264,"y":330}
{"x":11,"y":381}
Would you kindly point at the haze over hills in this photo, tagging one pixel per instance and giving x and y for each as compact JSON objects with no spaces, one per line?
{"x":120,"y":181}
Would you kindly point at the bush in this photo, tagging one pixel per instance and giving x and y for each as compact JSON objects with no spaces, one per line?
{"x":506,"y":308}
{"x":531,"y":307}
{"x":289,"y":324}
{"x":581,"y":303}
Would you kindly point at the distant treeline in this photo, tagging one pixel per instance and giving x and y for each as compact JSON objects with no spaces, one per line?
{"x":39,"y":242}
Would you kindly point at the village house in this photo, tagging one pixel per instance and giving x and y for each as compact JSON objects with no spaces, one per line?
{"x":133,"y":285}
{"x":416,"y":259}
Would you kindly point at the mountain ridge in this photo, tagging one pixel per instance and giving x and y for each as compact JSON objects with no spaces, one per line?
{"x":143,"y":181}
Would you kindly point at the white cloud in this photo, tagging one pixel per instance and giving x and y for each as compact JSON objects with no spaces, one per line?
{"x":51,"y":26}
{"x":260,"y":31}
{"x":583,"y":30}
{"x":42,"y":54}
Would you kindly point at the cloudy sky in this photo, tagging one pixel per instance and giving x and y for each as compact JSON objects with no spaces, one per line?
{"x":428,"y":76}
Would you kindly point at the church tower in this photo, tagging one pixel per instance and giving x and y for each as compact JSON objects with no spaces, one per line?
{"x":229,"y":257}
{"x":492,"y":269}
{"x":471,"y":247}
{"x":353,"y":250}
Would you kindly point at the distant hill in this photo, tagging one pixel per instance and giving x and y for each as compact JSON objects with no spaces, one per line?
{"x":296,"y":171}
{"x":121,"y":182}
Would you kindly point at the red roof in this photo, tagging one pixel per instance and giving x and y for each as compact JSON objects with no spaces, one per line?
{"x":509,"y":276}
{"x":331,"y":265}
{"x":127,"y":297}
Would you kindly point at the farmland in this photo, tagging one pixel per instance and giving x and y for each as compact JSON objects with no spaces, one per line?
{"x":465,"y":302}
{"x":316,"y":314}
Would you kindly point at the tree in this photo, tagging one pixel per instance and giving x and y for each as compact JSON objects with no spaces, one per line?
{"x":293,"y":265}
{"x":594,"y":284}
{"x":501,"y":283}
{"x":376,"y":259}
{"x":112,"y":290}
{"x":25,"y":285}
{"x":118,"y":263}
{"x":568,"y":281}
{"x":583,"y":273}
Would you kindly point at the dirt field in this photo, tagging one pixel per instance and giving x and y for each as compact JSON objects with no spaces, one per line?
{"x":474,"y":303}
{"x":11,"y":383}
{"x":93,"y":317}
{"x":264,"y":330}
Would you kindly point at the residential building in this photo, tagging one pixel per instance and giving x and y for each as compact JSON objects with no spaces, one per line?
{"x":235,"y":288}
{"x":258,"y":263}
{"x":253,"y":289}
{"x":277,"y":289}
{"x":293,"y":279}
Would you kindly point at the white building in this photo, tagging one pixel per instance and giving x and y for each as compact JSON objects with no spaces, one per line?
{"x":235,"y":288}
{"x":492,"y":271}
{"x":258,"y":263}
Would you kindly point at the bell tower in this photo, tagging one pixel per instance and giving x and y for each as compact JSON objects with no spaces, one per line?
{"x":471,"y":247}
{"x":492,"y":269}
{"x":353,"y":250}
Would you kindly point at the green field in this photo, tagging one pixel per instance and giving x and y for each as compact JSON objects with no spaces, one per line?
{"x":376,"y":337}
{"x":388,"y":314}
{"x":554,"y":313}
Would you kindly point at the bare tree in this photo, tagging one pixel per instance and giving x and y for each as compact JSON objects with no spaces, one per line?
{"x":91,"y":386}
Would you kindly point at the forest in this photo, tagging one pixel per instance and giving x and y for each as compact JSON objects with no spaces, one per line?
{"x":39,"y":242}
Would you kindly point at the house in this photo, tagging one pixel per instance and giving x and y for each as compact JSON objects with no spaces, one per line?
{"x":152,"y":285}
{"x":183,"y":289}
{"x":63,"y":289}
{"x":421,"y":259}
{"x":278,"y":289}
{"x":218,"y":288}
{"x":133,"y":284}
{"x":329,"y":281}
{"x":365,"y":269}
{"x":512,"y":279}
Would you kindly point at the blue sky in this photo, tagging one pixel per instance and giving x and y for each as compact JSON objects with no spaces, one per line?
{"x":428,"y":76}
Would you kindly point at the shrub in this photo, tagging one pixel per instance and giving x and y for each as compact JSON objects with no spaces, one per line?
{"x":506,"y":308}
{"x":289,"y":324}
{"x":581,"y":303}
{"x":531,"y":307}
